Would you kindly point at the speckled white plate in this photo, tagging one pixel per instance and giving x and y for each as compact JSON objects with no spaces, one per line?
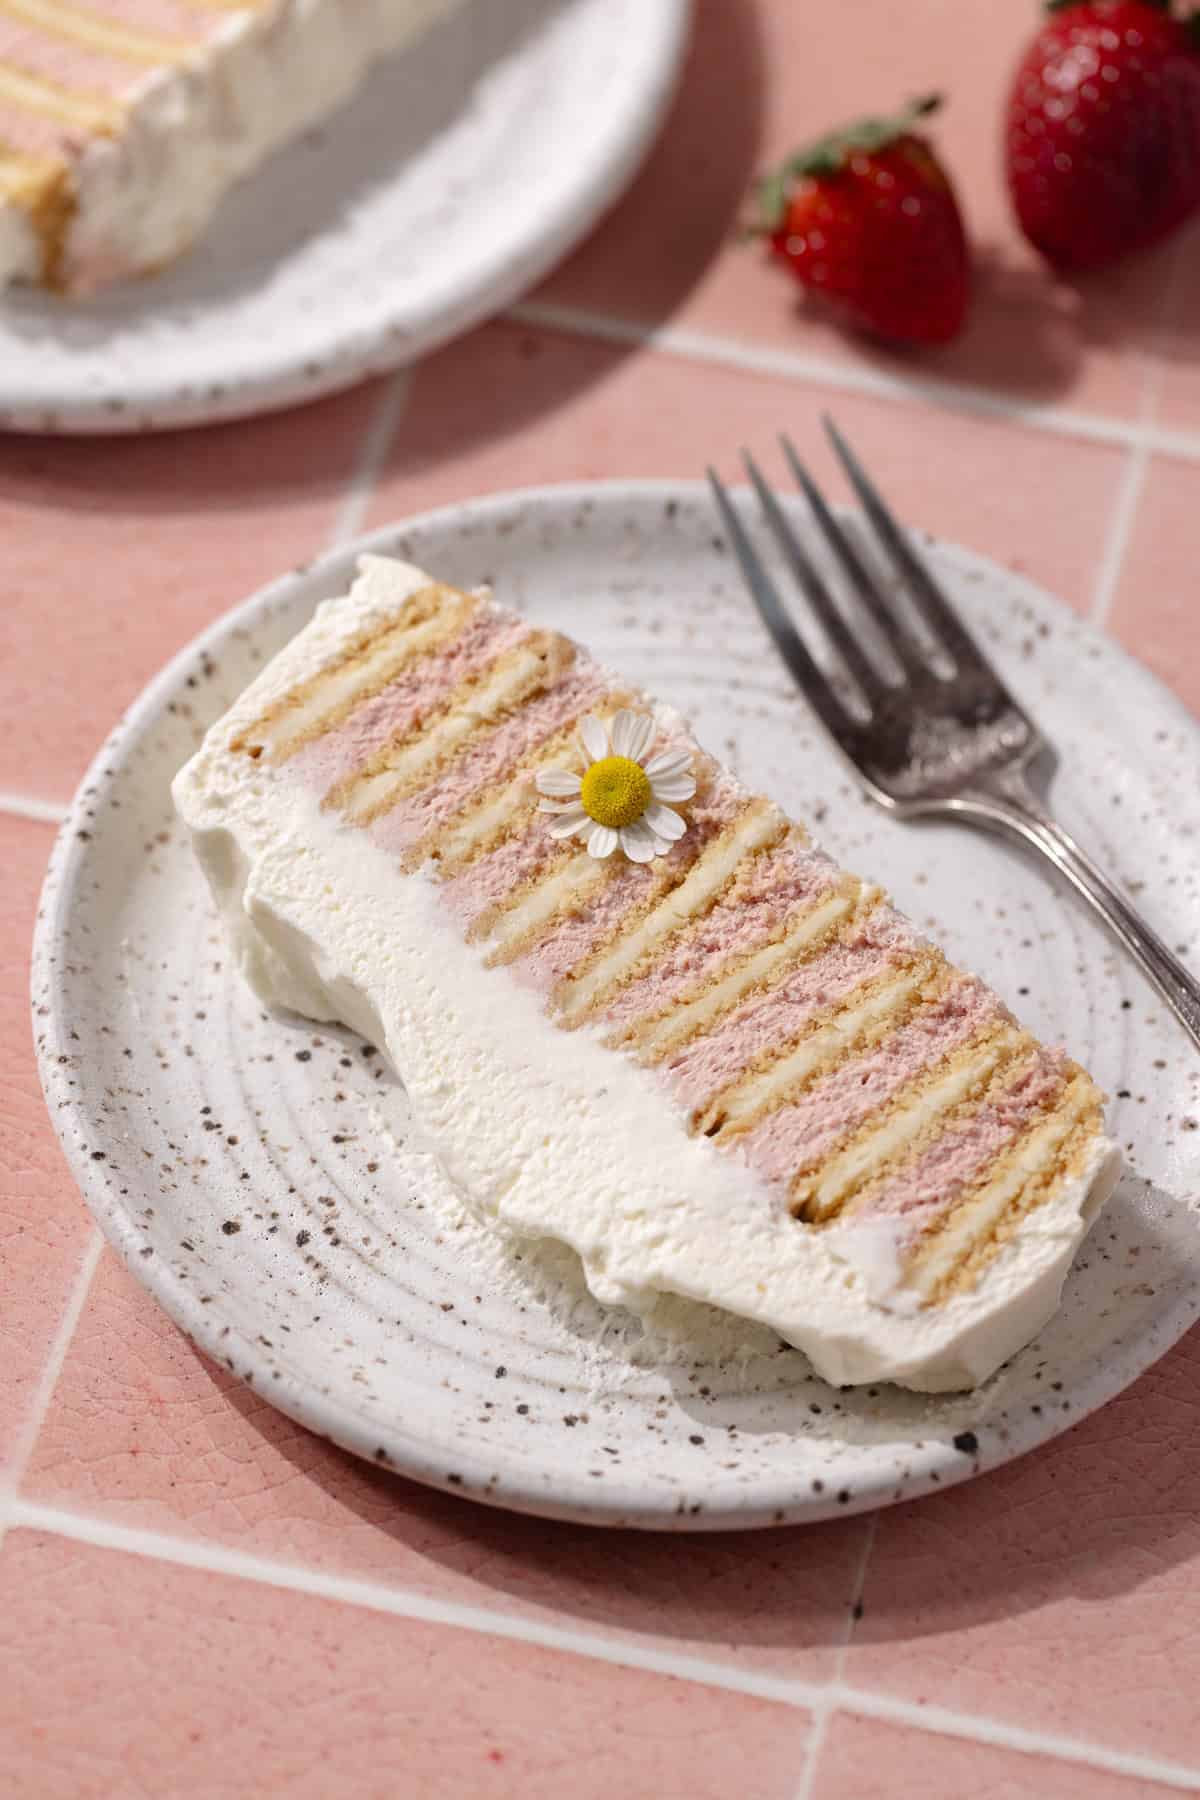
{"x":256,"y":1174}
{"x":462,"y":172}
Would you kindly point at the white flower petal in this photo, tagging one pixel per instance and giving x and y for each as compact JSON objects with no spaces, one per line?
{"x":556,"y":806}
{"x":672,"y":787}
{"x":669,"y":762}
{"x":641,"y":736}
{"x":622,"y":733}
{"x":568,"y":822}
{"x":664,"y":823}
{"x":639,"y":842}
{"x":560,"y":782}
{"x":646,"y":737}
{"x":602,"y":841}
{"x":594,"y":738}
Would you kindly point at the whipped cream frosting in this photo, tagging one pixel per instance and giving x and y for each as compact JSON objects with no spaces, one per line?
{"x":549,"y":1131}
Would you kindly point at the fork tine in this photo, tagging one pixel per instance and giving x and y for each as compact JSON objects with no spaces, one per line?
{"x":907,"y":652}
{"x":934,"y":607}
{"x":787,"y":639}
{"x":819,"y":598}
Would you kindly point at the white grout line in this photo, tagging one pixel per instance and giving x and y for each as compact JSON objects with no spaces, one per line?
{"x":1120,"y":531}
{"x":947,"y":1723}
{"x":1133,"y":482}
{"x":814,"y":1747}
{"x":837,"y":1696}
{"x":44,"y":1395}
{"x":825,"y":1707}
{"x":856,"y":378}
{"x":24,"y":806}
{"x":377,"y":441}
{"x":216,"y":1560}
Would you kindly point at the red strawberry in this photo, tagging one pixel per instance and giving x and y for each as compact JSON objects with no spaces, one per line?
{"x":1103,"y":136}
{"x":867,"y":220}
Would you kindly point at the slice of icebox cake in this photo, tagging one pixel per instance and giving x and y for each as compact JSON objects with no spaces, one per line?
{"x":633,"y":1006}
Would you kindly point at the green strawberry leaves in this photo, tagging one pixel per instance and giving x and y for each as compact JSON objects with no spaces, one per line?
{"x":829,"y":154}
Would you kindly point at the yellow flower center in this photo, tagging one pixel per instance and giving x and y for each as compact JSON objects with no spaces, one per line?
{"x":615,"y":791}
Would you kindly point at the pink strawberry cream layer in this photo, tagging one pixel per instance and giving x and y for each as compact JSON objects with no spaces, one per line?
{"x":92,"y":73}
{"x":491,"y":878}
{"x":184,"y":21}
{"x":782,"y":881}
{"x":930,"y":1187}
{"x":774,"y":1020}
{"x":627,"y":886}
{"x":582,"y":690}
{"x":798,"y":1135}
{"x":407,"y":702}
{"x":586,"y":930}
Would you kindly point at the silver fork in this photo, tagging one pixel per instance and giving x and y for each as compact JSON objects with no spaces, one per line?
{"x":943,"y":736}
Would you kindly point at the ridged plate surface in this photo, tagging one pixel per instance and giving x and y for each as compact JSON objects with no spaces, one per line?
{"x":259,"y":1178}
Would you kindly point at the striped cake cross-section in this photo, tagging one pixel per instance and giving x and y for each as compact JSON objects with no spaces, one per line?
{"x":734,"y":1072}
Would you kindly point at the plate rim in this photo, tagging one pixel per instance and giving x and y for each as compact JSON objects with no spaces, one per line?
{"x":933,"y":1468}
{"x":514,"y":270}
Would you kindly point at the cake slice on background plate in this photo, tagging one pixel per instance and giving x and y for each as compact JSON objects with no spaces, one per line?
{"x":633,"y":1006}
{"x":124,"y":123}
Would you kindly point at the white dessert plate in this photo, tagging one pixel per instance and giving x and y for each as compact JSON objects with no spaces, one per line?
{"x":462,"y":171}
{"x":259,"y":1177}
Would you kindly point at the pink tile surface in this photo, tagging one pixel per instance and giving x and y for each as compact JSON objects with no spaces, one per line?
{"x":1154,"y":611}
{"x":1060,"y":1593}
{"x":151,"y":539}
{"x":776,"y":79}
{"x":146,"y":1432}
{"x":867,"y":1759}
{"x":126,"y":1677}
{"x":43,"y":1227}
{"x":562,"y":410}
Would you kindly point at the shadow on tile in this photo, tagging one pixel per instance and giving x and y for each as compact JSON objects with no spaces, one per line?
{"x":147,"y":1432}
{"x":771,"y":1598}
{"x":1103,"y":1512}
{"x":289,"y":458}
{"x":1031,"y":331}
{"x":690,"y":201}
{"x":1024,"y":338}
{"x":782,"y":1595}
{"x":1176,"y":335}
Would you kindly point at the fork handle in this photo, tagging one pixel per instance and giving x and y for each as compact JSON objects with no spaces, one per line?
{"x":1006,"y":801}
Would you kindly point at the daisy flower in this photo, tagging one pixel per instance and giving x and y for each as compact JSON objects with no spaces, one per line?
{"x":620,"y":799}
